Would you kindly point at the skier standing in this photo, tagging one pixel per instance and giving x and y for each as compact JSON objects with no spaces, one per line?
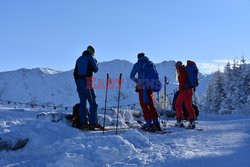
{"x":146,"y":95}
{"x":185,"y":95}
{"x":86,"y":64}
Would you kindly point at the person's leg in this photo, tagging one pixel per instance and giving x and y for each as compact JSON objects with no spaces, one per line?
{"x":83,"y":99}
{"x":179,"y":101}
{"x":184,"y":111}
{"x":144,"y":106}
{"x":93,"y":119}
{"x":152,"y":110}
{"x":188,"y":104}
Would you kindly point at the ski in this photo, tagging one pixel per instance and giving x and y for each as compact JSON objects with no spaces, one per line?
{"x":163,"y":131}
{"x":138,"y":126}
{"x":107,"y":129}
{"x":185,"y":127}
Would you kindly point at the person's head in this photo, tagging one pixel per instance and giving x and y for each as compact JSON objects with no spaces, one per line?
{"x":140,"y":55}
{"x":178,"y":64}
{"x":91,"y":50}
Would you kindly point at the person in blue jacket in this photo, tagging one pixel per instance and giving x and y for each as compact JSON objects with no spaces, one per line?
{"x":86,"y":64}
{"x":146,"y":96}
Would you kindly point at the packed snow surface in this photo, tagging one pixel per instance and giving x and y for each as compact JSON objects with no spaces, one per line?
{"x":224,"y":142}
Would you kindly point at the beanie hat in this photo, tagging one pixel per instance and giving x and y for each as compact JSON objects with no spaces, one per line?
{"x":178,"y":63}
{"x":91,"y":49}
{"x":140,"y":55}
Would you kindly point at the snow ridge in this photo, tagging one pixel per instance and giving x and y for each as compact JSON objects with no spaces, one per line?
{"x":46,"y":86}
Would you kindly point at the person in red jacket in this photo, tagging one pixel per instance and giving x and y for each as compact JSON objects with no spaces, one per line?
{"x":185,"y":96}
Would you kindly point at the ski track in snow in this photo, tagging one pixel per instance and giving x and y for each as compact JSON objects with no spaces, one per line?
{"x":222,"y":143}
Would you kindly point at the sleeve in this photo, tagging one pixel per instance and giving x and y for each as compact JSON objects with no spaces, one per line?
{"x":94,"y":64}
{"x":75,"y":73}
{"x":133,"y":73}
{"x":182,"y":80}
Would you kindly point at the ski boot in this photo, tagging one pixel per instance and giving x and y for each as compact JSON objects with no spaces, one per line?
{"x":179,"y":123}
{"x":84,"y":127}
{"x":147,"y":126}
{"x":91,"y":127}
{"x":156,"y":127}
{"x":191,"y":124}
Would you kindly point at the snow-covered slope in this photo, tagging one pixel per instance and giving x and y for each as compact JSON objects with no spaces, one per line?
{"x":40,"y":86}
{"x":47,"y":86}
{"x":224,"y":142}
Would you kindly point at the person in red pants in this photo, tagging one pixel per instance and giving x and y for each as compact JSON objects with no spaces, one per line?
{"x":185,"y":96}
{"x":146,"y":96}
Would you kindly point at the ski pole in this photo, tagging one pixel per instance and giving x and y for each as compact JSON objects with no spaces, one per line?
{"x":165,"y":92}
{"x":106,"y":97}
{"x":118,"y":107}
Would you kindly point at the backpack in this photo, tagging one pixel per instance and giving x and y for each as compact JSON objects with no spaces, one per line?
{"x":76,"y":116}
{"x":150,"y":77}
{"x":192,"y":74}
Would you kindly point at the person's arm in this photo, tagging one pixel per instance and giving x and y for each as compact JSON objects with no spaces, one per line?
{"x":182,"y":78}
{"x":94,"y":64}
{"x":133,"y":73}
{"x":75,"y":73}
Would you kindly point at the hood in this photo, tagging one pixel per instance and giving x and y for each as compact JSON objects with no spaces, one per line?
{"x":143,"y":59}
{"x":86,"y":53}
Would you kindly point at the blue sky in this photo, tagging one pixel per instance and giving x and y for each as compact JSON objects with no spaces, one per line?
{"x":53,"y":33}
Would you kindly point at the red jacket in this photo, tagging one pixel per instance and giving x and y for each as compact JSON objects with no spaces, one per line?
{"x":182,"y":77}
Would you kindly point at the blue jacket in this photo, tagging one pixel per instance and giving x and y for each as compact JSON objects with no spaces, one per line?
{"x":85,"y":66}
{"x":138,"y":69}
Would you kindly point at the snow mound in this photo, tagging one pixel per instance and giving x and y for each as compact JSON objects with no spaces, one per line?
{"x":223,"y":142}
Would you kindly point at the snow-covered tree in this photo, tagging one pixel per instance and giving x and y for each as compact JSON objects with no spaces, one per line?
{"x":227,"y":105}
{"x":244,"y":86}
{"x":229,"y":91}
{"x":215,"y":94}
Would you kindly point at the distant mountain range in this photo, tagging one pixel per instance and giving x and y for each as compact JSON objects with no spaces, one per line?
{"x":47,"y":86}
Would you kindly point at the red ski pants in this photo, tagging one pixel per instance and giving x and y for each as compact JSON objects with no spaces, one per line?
{"x":149,"y":110}
{"x":186,"y":97}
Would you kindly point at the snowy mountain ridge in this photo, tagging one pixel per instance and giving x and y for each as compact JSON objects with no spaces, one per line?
{"x":47,"y":86}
